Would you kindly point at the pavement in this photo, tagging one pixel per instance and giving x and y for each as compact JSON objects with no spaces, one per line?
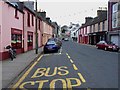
{"x":12,"y":69}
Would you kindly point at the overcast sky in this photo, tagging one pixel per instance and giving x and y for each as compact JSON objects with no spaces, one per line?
{"x":66,"y":11}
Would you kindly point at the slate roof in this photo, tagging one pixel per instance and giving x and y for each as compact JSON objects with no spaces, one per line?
{"x":95,"y":20}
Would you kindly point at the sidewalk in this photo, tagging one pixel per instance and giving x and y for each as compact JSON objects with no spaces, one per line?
{"x":11,"y":69}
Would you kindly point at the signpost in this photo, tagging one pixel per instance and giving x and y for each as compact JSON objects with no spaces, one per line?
{"x":36,"y":42}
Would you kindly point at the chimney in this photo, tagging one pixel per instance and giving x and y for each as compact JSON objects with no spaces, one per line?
{"x":42,"y":14}
{"x":87,"y":19}
{"x":29,"y":4}
{"x":101,"y":12}
{"x":48,"y":19}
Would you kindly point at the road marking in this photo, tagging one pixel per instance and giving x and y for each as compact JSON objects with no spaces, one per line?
{"x":69,"y":57}
{"x":61,"y":50}
{"x":26,"y":73}
{"x":67,"y":54}
{"x":71,"y":60}
{"x":81,"y":77}
{"x":88,"y":89}
{"x":74,"y":66}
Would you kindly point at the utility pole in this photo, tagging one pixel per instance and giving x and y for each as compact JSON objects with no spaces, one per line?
{"x":36,"y":33}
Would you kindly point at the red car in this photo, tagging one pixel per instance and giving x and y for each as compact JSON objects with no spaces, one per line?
{"x":107,"y":46}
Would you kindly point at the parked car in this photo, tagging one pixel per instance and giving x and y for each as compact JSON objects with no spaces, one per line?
{"x":107,"y":46}
{"x":51,"y":46}
{"x":62,"y":38}
{"x":58,"y":41}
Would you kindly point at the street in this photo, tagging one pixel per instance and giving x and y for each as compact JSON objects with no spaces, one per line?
{"x":74,"y":66}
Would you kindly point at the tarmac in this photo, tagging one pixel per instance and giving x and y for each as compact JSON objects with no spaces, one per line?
{"x":12,"y":69}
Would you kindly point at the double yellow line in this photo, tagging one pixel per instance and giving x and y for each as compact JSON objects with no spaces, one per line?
{"x":26,"y":73}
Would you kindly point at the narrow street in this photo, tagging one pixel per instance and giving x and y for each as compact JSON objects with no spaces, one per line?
{"x":74,"y":66}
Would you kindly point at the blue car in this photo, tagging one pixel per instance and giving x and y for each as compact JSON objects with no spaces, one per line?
{"x":51,"y":46}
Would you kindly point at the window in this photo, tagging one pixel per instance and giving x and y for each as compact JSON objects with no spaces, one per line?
{"x":28,"y":19}
{"x":39,"y":24}
{"x":16,"y":14}
{"x":86,"y":30}
{"x":103,"y":26}
{"x":94,"y":28}
{"x":32,"y":20}
{"x":98,"y":26}
{"x":90,"y":28}
{"x":30,"y":39}
{"x":16,"y":41}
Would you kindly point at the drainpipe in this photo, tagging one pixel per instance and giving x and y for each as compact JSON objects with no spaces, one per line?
{"x":23,"y":31}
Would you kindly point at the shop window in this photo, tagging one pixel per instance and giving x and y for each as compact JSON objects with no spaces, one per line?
{"x":30,"y":40}
{"x":16,"y":41}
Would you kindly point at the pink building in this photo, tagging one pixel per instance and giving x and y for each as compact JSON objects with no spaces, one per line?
{"x":47,"y":31}
{"x":83,"y":35}
{"x":114,"y":21}
{"x":17,"y":28}
{"x":11,"y":28}
{"x":29,"y":30}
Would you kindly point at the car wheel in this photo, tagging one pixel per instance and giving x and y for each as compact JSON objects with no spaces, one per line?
{"x":105,"y":49}
{"x":117,"y":50}
{"x":45,"y":52}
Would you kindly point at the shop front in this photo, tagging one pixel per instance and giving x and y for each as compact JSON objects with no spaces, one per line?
{"x":16,"y":40}
{"x":95,"y":37}
{"x":92,"y":38}
{"x":30,"y":40}
{"x":114,"y":36}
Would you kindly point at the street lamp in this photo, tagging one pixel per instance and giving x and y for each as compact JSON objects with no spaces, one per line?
{"x":36,"y":34}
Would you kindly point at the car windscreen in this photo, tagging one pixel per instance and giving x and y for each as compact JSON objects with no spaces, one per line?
{"x":51,"y":43}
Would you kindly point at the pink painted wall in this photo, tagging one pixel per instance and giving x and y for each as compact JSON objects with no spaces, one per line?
{"x":30,"y":29}
{"x":88,"y":29}
{"x":47,"y":32}
{"x":40,"y":35}
{"x":47,"y":28}
{"x":8,"y":14}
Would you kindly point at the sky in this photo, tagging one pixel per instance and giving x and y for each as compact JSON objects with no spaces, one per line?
{"x":65,"y":11}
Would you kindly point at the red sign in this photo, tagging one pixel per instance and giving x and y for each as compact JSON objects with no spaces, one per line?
{"x":16,"y":31}
{"x":30,"y":33}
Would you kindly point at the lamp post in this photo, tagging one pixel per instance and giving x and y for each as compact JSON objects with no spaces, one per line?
{"x":36,"y":33}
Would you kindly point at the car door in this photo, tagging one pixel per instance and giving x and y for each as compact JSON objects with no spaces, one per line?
{"x":103,"y":45}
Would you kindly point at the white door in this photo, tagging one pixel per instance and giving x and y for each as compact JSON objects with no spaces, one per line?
{"x":114,"y":39}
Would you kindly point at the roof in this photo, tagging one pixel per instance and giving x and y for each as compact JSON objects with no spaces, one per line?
{"x":16,"y":5}
{"x":95,"y":20}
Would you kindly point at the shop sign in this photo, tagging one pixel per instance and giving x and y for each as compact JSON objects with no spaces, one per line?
{"x":30,"y":33}
{"x":16,"y":31}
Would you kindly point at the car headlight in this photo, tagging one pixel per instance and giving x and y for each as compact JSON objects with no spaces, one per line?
{"x":110,"y":47}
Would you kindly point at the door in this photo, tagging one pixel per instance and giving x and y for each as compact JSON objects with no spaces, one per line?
{"x":114,"y":39}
